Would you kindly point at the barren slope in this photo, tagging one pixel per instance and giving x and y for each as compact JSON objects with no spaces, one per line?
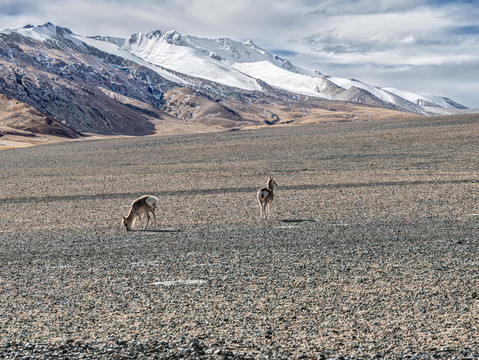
{"x":23,"y":124}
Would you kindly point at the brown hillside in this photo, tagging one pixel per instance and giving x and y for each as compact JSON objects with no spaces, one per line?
{"x":19,"y":119}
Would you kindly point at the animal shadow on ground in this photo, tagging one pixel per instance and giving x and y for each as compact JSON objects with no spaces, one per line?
{"x":298,"y":220}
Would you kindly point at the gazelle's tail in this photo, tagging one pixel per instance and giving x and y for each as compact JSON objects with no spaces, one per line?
{"x":262,"y":194}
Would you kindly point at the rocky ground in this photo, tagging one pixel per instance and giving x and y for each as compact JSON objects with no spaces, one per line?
{"x":372,"y":251}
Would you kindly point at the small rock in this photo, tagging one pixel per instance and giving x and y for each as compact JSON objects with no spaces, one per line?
{"x":120,"y":356}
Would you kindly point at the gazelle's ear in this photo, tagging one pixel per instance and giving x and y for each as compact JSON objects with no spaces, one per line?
{"x":124,"y":218}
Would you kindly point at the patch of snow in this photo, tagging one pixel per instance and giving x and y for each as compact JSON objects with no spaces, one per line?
{"x":178,"y":282}
{"x":213,"y":115}
{"x":37,"y":33}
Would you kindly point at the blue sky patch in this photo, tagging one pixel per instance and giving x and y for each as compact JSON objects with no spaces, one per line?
{"x":447,"y":2}
{"x":466,"y":30}
{"x":284,"y":53}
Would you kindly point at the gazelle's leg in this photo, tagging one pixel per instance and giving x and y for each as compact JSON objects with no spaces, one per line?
{"x":147,"y":220}
{"x":141,"y":222}
{"x":154,"y":215}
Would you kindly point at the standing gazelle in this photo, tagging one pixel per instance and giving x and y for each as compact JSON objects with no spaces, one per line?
{"x":266,"y":197}
{"x":143,"y":205}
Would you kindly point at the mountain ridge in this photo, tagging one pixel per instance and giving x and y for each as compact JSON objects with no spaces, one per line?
{"x":231,"y":50}
{"x":78,"y":80}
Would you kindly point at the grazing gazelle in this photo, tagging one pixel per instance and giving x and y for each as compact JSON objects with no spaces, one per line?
{"x":143,"y":205}
{"x":266,"y":197}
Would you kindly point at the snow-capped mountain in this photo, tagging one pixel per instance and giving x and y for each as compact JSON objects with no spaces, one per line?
{"x":241,"y":64}
{"x":138,"y":84}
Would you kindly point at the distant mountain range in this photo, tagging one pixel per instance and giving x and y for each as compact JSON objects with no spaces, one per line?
{"x":166,"y":82}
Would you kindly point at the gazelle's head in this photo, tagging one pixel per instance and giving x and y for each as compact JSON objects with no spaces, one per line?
{"x":126,"y":223}
{"x":271,"y":183}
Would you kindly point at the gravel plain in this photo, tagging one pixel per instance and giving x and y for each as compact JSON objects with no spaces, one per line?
{"x":372,"y":250}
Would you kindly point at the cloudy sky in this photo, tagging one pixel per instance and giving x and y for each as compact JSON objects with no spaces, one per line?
{"x":426,"y":46}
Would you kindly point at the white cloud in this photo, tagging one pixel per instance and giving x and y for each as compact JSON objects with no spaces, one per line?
{"x":399,"y":48}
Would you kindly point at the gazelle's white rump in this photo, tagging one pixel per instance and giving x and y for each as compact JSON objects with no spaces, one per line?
{"x":152,"y":201}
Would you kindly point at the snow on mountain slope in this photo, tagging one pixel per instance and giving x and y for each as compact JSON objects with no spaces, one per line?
{"x":41,"y":33}
{"x":48,"y":31}
{"x":321,"y":86}
{"x":238,"y":52}
{"x":348,"y":83}
{"x":425,"y":99}
{"x":170,"y":50}
{"x":283,"y":79}
{"x":116,"y":49}
{"x":224,"y":61}
{"x":386,"y":96}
